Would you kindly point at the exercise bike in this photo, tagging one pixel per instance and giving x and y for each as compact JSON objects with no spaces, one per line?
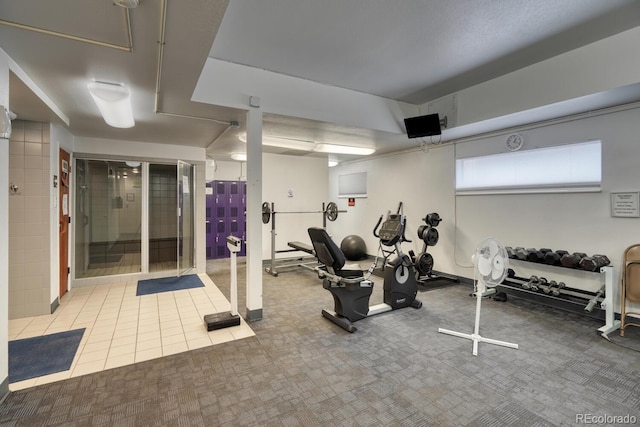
{"x":348,"y":285}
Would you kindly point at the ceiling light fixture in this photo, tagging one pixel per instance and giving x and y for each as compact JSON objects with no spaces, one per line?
{"x":114,"y":103}
{"x":5,"y":123}
{"x":241,"y":157}
{"x":305,"y":145}
{"x":127,"y":4}
{"x":288,"y":143}
{"x":343,"y":149}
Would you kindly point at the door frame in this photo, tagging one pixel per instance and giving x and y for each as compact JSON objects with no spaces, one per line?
{"x":64,"y":219}
{"x":190,"y":265}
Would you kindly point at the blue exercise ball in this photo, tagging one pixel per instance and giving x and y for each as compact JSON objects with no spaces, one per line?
{"x":353,"y":247}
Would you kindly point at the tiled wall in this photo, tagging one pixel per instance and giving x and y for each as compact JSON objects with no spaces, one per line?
{"x":29,"y":216}
{"x":162,"y":202}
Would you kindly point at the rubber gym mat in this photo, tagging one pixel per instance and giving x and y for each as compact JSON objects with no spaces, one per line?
{"x":43,"y":355}
{"x":168,"y":284}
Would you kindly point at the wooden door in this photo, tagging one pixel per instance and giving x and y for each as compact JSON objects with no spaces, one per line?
{"x":64,"y":203}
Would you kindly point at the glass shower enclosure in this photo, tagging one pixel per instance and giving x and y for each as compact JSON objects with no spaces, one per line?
{"x":110,"y":199}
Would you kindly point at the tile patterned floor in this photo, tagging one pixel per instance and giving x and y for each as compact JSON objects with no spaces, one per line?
{"x":122,"y":328}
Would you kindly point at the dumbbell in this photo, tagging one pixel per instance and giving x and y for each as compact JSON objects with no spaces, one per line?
{"x":553,"y":258}
{"x":510,"y":252}
{"x":521,"y":253}
{"x":537,"y":255}
{"x":593,"y":263}
{"x":556,"y":291}
{"x":547,"y":287}
{"x":536,"y":286}
{"x":572,"y":260}
{"x":532,"y":280}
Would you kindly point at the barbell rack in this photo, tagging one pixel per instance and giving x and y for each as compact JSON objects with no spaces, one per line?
{"x":329,"y":212}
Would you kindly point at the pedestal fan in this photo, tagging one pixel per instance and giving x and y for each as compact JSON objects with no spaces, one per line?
{"x":491,"y":263}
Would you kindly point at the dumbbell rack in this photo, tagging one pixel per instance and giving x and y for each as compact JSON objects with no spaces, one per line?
{"x":606,"y":308}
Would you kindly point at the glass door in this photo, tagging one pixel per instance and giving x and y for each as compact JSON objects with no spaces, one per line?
{"x":109,"y":219}
{"x":186,"y":241}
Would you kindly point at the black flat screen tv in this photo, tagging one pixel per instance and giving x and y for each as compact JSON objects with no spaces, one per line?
{"x":420,"y":126}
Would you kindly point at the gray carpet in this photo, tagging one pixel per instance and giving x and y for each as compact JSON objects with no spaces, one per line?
{"x":396,"y":370}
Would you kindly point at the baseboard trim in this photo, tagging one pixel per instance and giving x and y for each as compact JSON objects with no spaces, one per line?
{"x":253,"y":315}
{"x":55,"y":304}
{"x":463,"y":280}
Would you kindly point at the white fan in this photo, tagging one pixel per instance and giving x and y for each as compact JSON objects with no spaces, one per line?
{"x":491,"y":263}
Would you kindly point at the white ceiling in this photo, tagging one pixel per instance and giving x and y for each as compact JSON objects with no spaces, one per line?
{"x":409,"y":50}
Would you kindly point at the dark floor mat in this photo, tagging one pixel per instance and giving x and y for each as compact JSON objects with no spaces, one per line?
{"x":43,"y":355}
{"x":168,"y":284}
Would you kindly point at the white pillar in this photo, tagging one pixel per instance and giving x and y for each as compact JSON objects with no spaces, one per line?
{"x":254,"y":211}
{"x":4,"y":235}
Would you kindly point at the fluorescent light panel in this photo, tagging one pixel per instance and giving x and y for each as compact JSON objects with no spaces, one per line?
{"x":114,"y":103}
{"x":343,"y":149}
{"x":303,"y":145}
{"x":241,"y":157}
{"x":289,"y":144}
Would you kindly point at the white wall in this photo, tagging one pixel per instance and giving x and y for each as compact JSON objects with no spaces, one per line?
{"x":601,"y":66}
{"x":138,"y":149}
{"x":226,"y":171}
{"x":307,"y":177}
{"x":423,"y":181}
{"x":575,"y":222}
{"x":231,"y":85}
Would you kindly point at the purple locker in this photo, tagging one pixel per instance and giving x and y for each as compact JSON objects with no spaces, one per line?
{"x":210,"y":235}
{"x":227,"y":216}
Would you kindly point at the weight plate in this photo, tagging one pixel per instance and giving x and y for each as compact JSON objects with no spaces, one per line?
{"x":421,"y":231}
{"x":424,"y":264}
{"x":266,"y":213}
{"x":433,"y":219}
{"x":431,"y":236}
{"x":332,"y":211}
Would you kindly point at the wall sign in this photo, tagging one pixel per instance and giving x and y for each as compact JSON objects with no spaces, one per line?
{"x":626,"y":205}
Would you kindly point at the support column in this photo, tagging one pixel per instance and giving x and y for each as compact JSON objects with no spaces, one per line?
{"x":254,"y":211}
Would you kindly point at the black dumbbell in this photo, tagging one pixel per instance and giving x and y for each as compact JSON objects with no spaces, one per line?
{"x":537,"y":255}
{"x":510,"y":252}
{"x":593,"y":263}
{"x":556,"y":291}
{"x":532,"y":254}
{"x":553,"y":258}
{"x":572,"y":260}
{"x":532,"y":280}
{"x":521,"y":253}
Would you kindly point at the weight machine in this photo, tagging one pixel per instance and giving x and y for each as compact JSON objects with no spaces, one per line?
{"x":329,"y":212}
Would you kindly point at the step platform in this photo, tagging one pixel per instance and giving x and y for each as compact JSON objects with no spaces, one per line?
{"x":221,"y":320}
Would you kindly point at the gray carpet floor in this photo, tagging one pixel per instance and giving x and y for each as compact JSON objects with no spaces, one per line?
{"x":396,"y":370}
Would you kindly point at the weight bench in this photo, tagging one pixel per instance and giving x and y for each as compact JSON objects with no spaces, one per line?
{"x":300,"y":246}
{"x":304,"y":262}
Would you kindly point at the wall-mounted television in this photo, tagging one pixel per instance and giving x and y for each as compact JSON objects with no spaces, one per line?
{"x":420,"y":126}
